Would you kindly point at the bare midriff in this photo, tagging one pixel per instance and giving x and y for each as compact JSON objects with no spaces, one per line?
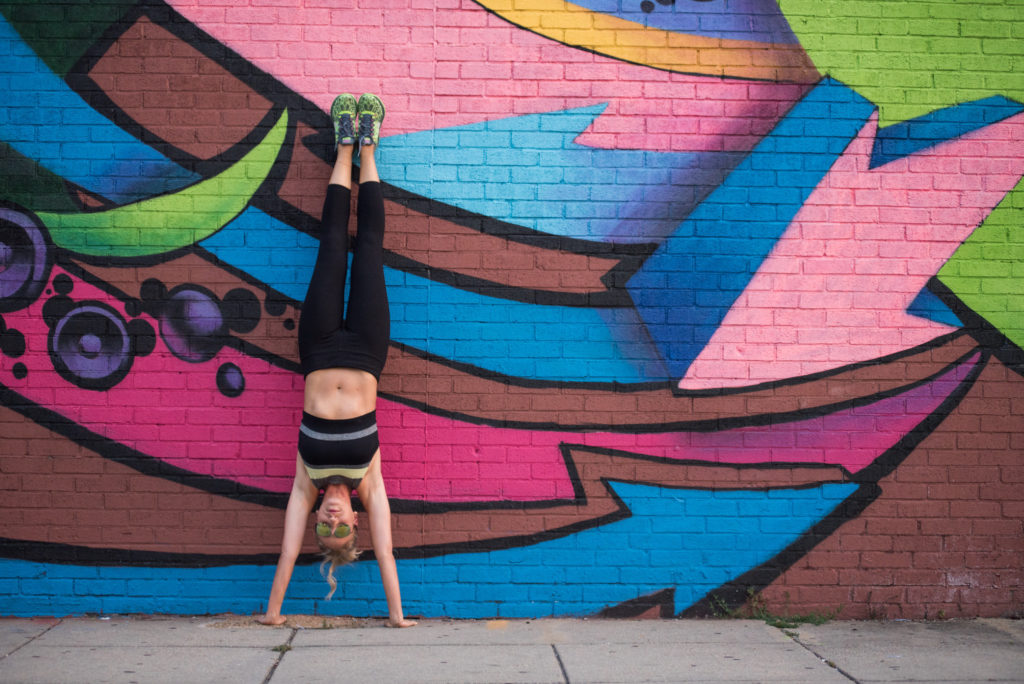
{"x":340,"y":393}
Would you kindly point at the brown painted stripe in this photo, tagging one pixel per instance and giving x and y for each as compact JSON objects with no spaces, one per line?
{"x":175,"y":92}
{"x":491,"y":263}
{"x":440,"y":388}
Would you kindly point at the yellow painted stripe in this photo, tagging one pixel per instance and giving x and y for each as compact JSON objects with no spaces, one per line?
{"x":680,"y":52}
{"x":323,"y":473}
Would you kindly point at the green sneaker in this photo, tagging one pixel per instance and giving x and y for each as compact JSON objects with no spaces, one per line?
{"x":370,"y":112}
{"x":343,"y":113}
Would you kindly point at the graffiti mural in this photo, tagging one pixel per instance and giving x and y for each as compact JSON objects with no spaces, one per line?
{"x":684,"y":301}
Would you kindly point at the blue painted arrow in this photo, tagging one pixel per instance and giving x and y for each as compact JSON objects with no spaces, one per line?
{"x":690,"y":540}
{"x":928,"y":306}
{"x":904,"y":138}
{"x":526,"y":170}
{"x":685,"y":288}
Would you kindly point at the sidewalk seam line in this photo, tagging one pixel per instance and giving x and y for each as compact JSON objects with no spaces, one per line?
{"x":280,"y":656}
{"x":561,"y":665}
{"x":825,"y":660}
{"x":7,"y":655}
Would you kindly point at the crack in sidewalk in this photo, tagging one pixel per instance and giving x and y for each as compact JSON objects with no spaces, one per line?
{"x":18,"y":648}
{"x":795,"y":637}
{"x":561,"y":665}
{"x":281,"y":650}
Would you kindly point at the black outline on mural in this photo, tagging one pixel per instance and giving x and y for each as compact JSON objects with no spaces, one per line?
{"x":630,"y":257}
{"x":986,"y":334}
{"x":79,"y":81}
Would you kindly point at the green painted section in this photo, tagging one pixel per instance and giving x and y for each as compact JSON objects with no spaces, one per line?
{"x":28,"y":184}
{"x":169,"y":222}
{"x":987,"y":270}
{"x":911,"y":57}
{"x":61,"y":32}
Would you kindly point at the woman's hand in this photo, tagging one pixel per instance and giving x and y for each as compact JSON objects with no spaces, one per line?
{"x":401,"y":622}
{"x":272,"y":620}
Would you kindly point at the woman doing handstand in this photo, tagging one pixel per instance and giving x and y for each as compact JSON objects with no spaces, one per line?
{"x":342,"y":354}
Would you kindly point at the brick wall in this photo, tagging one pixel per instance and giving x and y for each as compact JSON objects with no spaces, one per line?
{"x":692,"y":306}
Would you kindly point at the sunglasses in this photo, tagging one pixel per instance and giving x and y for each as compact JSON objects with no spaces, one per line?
{"x":324,"y":530}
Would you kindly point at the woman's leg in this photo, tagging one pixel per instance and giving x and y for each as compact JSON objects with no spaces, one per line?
{"x":323,"y":307}
{"x":368,"y":315}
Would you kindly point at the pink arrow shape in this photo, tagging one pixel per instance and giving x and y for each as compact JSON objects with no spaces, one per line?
{"x":836,"y":288}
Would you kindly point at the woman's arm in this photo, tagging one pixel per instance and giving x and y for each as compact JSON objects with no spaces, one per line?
{"x":300,"y":503}
{"x":378,"y":509}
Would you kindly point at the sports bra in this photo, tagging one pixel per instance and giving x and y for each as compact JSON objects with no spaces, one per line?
{"x":338,"y":451}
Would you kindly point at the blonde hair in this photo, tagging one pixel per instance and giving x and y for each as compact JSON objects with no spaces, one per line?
{"x":337,"y":557}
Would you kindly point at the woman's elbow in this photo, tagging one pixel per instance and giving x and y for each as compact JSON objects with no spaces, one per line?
{"x":290,"y":551}
{"x":384,"y":552}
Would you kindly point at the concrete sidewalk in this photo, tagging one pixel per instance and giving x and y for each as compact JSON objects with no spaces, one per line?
{"x":226,"y":649}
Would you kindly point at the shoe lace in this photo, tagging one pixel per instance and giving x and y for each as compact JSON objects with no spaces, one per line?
{"x":345,"y":127}
{"x":366,"y":126}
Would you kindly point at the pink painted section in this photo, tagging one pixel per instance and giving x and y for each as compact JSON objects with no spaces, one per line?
{"x":173,"y":411}
{"x":443,"y":66}
{"x":836,"y":287}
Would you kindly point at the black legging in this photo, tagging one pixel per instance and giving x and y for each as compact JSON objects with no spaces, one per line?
{"x":330,"y":337}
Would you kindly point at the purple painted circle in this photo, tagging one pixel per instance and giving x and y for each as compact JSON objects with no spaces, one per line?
{"x":24,"y":265}
{"x":230,"y":380}
{"x":192,"y":324}
{"x":91,"y":344}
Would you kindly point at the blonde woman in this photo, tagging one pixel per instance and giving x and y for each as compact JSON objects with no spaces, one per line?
{"x":342,"y":354}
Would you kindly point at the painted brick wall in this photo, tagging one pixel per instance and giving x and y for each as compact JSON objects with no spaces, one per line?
{"x":694,"y":305}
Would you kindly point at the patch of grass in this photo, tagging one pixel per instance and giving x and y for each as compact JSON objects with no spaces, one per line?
{"x":756,"y":607}
{"x":283,"y":648}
